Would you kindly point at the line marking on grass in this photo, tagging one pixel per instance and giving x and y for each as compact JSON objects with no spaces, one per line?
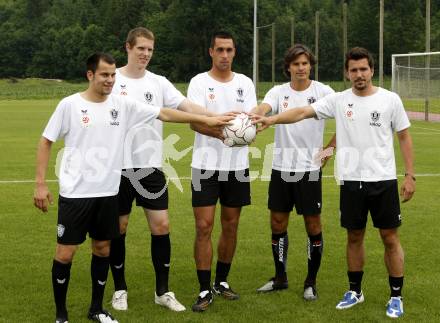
{"x":430,"y":129}
{"x":27,"y":181}
{"x":424,"y":133}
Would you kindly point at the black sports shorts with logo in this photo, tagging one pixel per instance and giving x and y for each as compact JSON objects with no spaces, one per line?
{"x":148,"y":187}
{"x":300,"y":189}
{"x":97,"y":216}
{"x":380,"y":198}
{"x":231,"y":187}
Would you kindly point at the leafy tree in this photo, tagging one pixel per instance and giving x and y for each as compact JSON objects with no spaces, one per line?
{"x":52,"y":38}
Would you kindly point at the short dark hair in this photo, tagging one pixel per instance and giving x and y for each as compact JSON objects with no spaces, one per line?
{"x":293,"y":53}
{"x":138,"y":32}
{"x":222,"y":35}
{"x":95,"y":58}
{"x":357,"y":53}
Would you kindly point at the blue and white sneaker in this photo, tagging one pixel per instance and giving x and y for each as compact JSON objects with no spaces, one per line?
{"x":351,"y":298}
{"x":395,"y":307}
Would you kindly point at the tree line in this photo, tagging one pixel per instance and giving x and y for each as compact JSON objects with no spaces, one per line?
{"x":52,"y":38}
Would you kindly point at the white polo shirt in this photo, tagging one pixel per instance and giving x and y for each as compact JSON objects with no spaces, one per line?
{"x":296,"y":144}
{"x":364,"y":132}
{"x":94,"y":135}
{"x":144,"y":144}
{"x":220,"y":97}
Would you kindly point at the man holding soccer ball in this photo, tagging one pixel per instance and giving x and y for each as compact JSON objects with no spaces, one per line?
{"x":93,"y":124}
{"x":135,"y":81}
{"x":219,"y":172}
{"x":296,"y":175}
{"x":366,"y":119}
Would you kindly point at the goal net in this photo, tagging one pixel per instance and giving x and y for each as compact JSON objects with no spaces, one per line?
{"x":416,"y":78}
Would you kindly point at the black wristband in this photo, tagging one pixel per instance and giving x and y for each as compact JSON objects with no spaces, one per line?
{"x":412,"y":176}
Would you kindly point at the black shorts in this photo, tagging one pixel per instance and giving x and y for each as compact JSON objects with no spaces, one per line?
{"x":231,"y":187}
{"x":380,"y":198}
{"x":300,"y":189}
{"x":96,"y":215}
{"x":148,"y":186}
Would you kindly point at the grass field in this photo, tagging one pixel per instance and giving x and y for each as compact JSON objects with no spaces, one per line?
{"x":27,"y":242}
{"x":19,"y":89}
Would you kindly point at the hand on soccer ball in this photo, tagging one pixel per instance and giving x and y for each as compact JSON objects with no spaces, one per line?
{"x":240,"y":131}
{"x":263,"y":122}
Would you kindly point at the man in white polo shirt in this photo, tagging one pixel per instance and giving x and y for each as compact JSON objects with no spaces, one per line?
{"x":296,"y":174}
{"x":93,"y":124}
{"x":143,"y":162}
{"x":219,"y":172}
{"x":366,"y":119}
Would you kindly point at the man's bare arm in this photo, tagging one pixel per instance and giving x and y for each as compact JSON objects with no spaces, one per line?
{"x":262,"y":109}
{"x":42,"y":195}
{"x":172,"y":115}
{"x":191,"y":107}
{"x":289,"y":116}
{"x":409,"y":184}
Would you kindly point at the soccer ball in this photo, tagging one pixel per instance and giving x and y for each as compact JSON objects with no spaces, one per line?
{"x":240,"y":132}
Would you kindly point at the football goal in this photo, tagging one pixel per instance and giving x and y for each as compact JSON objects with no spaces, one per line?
{"x":416,"y":78}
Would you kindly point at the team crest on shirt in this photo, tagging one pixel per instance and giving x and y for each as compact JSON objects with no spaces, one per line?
{"x":148,"y":97}
{"x":240,"y":93}
{"x":60,"y":230}
{"x":311,"y":100}
{"x":85,"y":118}
{"x":349,"y":112}
{"x":114,"y":114}
{"x":123,"y":89}
{"x":211,"y":95}
{"x":375,"y":116}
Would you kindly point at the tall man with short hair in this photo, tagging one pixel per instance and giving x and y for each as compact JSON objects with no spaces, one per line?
{"x":145,"y":162}
{"x":218,"y":172}
{"x":366,"y":118}
{"x":296,"y":174}
{"x":93,"y":125}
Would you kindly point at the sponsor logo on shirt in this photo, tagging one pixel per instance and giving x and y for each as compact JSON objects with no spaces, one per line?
{"x":349,"y":112}
{"x":148,"y":97}
{"x":311,"y":100}
{"x":285,"y":102}
{"x":211,"y":95}
{"x":85,"y":119}
{"x":375,"y":116}
{"x":240,"y":95}
{"x":123,"y":89}
{"x":114,"y":114}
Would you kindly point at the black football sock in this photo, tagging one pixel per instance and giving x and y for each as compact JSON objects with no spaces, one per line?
{"x":204,"y":277}
{"x":117,"y":262}
{"x":221,"y":272}
{"x":60,"y":283}
{"x":280,"y":245}
{"x":355,"y":280}
{"x":396,"y":285}
{"x":99,"y":271}
{"x":161,"y":255}
{"x":315,"y":246}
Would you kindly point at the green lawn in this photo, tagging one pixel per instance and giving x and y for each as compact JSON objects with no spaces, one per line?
{"x":27,"y":242}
